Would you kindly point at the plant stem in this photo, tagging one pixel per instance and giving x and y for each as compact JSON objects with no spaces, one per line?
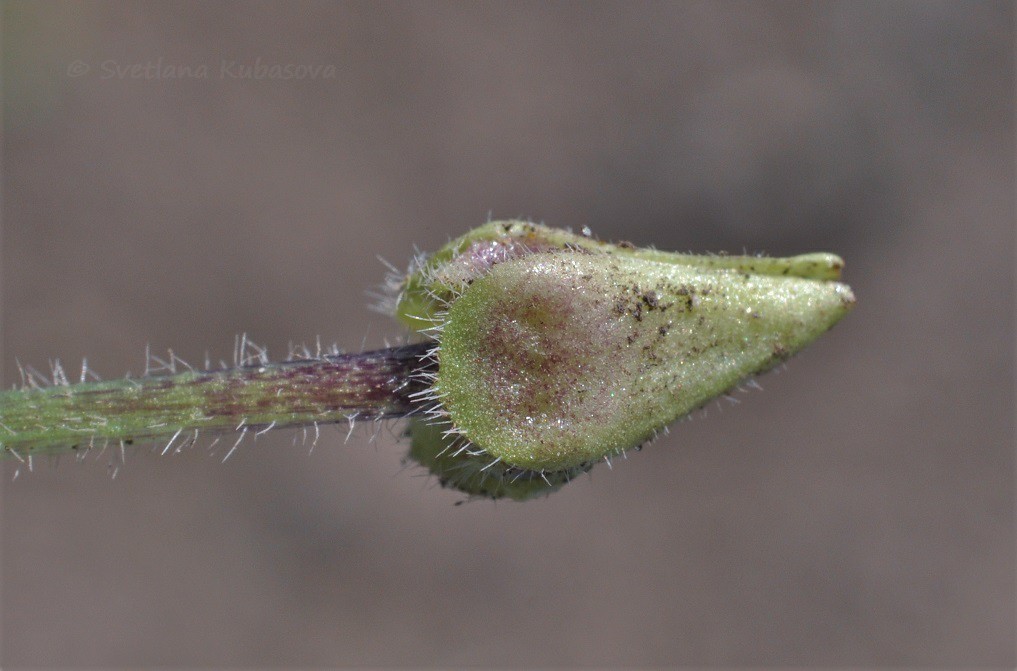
{"x":302,"y":393}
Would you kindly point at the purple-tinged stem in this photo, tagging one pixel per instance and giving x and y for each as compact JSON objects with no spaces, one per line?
{"x":329,"y":389}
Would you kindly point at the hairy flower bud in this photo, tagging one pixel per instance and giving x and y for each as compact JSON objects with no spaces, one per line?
{"x":556,"y":351}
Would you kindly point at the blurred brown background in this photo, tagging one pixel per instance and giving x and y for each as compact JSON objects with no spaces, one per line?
{"x":859,"y":511}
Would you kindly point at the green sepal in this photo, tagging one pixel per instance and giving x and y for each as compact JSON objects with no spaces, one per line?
{"x":434,"y":281}
{"x":557,"y":359}
{"x":478,"y":475}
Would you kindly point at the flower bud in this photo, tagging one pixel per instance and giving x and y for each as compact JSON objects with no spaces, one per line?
{"x":556,"y":351}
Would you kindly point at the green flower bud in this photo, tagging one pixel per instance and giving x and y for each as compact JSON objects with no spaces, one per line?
{"x":556,"y":351}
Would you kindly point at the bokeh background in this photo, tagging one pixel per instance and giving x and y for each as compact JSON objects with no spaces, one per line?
{"x":858,"y":511}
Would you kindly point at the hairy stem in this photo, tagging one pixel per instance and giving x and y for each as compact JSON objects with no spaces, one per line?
{"x":323,"y":390}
